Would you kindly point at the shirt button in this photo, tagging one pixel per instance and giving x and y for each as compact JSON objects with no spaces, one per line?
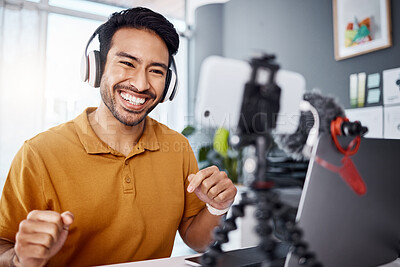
{"x":126,"y":162}
{"x":128,"y":180}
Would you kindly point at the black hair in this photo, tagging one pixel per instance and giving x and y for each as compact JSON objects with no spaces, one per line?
{"x":139,"y":18}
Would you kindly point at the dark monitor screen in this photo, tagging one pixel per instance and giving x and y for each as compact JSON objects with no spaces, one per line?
{"x":344,"y":228}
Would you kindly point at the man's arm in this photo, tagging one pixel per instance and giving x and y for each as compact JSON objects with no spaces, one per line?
{"x":213,"y":187}
{"x":7,"y":253}
{"x":197,"y":231}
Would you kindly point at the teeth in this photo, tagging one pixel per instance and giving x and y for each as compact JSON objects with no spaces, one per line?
{"x":131,"y":99}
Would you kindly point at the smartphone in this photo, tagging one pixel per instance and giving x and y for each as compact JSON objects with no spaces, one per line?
{"x":220,"y":94}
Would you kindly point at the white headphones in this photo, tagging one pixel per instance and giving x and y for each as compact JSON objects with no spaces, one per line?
{"x":314,"y":131}
{"x":91,"y":71}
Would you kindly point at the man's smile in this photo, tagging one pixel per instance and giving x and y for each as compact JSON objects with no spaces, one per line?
{"x":132,"y":99}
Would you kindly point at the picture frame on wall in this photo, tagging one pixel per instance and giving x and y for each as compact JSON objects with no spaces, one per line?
{"x":360,"y":27}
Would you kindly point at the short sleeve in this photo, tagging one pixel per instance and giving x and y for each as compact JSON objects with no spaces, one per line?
{"x":22,"y":192}
{"x":193,"y":205}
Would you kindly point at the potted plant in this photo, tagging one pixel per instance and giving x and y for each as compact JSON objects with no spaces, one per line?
{"x":217,"y":151}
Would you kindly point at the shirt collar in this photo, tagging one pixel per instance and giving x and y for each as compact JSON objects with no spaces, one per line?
{"x":93,"y":145}
{"x":149,"y":140}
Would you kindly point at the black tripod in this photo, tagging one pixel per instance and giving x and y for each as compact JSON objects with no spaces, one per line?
{"x":259,"y":111}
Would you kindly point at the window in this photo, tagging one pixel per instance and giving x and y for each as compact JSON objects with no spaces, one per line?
{"x":86,"y":6}
{"x":65,"y":94}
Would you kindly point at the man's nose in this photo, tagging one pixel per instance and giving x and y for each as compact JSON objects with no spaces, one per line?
{"x":140,"y":81}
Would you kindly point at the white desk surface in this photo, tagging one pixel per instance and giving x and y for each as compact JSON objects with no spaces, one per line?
{"x":164,"y":262}
{"x":180,"y":262}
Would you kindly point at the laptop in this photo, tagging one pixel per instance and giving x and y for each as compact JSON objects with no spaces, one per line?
{"x":246,"y":257}
{"x":344,"y":228}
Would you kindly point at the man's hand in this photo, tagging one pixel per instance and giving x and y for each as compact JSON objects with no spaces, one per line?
{"x":41,"y":235}
{"x":213,"y":187}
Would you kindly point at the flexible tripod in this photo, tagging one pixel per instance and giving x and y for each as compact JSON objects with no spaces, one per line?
{"x":259,"y":109}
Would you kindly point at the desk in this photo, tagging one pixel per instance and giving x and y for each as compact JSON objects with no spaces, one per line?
{"x":180,"y":262}
{"x":165,"y":262}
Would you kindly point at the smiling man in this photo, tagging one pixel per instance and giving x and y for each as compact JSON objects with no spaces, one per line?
{"x":113,"y":185}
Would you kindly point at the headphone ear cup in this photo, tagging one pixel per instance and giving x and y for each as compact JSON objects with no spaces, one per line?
{"x":171,"y":86}
{"x":167,"y":92}
{"x":174,"y":86}
{"x":84,"y":68}
{"x":94,"y":68}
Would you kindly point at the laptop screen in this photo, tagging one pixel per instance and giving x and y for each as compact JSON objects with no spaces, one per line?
{"x":343,"y":227}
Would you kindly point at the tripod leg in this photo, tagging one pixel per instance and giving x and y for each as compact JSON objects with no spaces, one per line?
{"x":210,"y":257}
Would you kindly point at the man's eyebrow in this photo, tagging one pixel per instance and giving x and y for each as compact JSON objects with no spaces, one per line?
{"x":123,"y":54}
{"x":157,"y":64}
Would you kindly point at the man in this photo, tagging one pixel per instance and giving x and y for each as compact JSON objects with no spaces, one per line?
{"x":112,"y":185}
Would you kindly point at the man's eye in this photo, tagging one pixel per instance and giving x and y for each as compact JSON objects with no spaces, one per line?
{"x":127,"y":63}
{"x":158,"y":72}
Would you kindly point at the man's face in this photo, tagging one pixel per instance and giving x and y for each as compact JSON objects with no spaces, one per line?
{"x":134,"y":75}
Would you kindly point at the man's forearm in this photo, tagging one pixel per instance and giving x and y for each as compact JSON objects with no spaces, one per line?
{"x":7,"y":253}
{"x":199,"y":233}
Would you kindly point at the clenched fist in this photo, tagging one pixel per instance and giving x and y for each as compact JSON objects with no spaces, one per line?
{"x":40,"y":236}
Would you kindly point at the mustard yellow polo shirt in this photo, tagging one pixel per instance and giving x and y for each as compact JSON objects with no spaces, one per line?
{"x":126,"y":208}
